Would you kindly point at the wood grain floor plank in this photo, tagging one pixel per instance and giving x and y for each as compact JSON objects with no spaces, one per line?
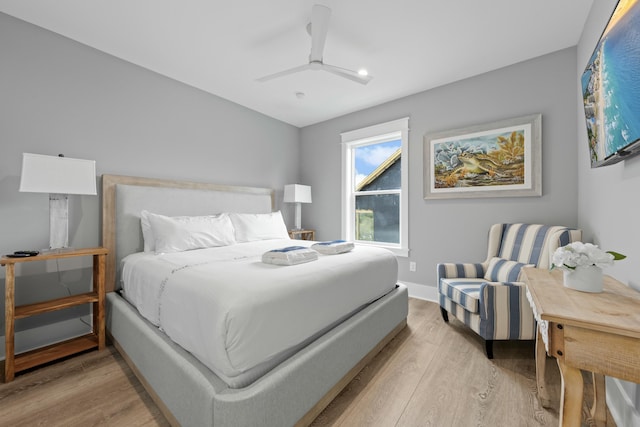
{"x":353,"y":402}
{"x":393,"y":385}
{"x":93,"y":389}
{"x":431,"y":374}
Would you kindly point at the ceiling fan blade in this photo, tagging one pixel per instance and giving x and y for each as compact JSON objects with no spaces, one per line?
{"x":349,"y":74}
{"x":284,"y":73}
{"x":319,"y":26}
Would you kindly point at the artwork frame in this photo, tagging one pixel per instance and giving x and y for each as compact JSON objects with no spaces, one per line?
{"x":498,"y":159}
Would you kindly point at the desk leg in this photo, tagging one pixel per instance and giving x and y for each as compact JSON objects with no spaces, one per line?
{"x":599,"y":408}
{"x":571,"y":399}
{"x":541,"y":368}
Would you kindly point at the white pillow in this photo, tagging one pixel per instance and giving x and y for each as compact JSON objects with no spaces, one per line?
{"x":251,"y":227}
{"x":147,"y":233}
{"x":176,"y":234}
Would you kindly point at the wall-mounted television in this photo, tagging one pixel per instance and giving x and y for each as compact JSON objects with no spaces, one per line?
{"x":611,"y":88}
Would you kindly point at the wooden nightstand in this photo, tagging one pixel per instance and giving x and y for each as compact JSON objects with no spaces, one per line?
{"x":303,"y":234}
{"x":96,"y":338}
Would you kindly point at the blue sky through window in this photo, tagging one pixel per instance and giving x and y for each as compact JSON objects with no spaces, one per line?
{"x":369,"y":157}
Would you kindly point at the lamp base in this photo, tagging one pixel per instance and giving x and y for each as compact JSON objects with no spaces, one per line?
{"x":298,"y":217}
{"x":58,"y":221}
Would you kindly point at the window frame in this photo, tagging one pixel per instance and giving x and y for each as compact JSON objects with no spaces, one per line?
{"x":395,"y":129}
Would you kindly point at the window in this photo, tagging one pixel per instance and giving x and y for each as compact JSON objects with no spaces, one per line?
{"x":374,"y":185}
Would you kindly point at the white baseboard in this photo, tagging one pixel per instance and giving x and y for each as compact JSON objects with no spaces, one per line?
{"x":416,"y":290}
{"x":48,"y":334}
{"x":620,"y":405}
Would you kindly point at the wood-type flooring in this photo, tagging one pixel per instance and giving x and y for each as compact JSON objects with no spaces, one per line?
{"x":430,"y":374}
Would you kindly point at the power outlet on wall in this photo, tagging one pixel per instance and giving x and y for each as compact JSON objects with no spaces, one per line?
{"x":412,"y":266}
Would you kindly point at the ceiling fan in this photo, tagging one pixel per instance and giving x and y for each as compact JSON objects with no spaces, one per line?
{"x":317,"y":29}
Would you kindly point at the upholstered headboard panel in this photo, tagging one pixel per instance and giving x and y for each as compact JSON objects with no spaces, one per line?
{"x":123,"y":198}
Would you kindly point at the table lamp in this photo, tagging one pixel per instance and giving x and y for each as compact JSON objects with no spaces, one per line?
{"x":59,"y":176}
{"x":296,"y":193}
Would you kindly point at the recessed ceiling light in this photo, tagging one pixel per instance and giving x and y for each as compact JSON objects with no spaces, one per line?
{"x":363,"y":72}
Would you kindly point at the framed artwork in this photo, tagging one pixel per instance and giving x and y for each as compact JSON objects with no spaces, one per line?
{"x":500,"y":159}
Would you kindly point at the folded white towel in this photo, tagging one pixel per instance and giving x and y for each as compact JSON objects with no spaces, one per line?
{"x":333,"y":247}
{"x":291,"y":255}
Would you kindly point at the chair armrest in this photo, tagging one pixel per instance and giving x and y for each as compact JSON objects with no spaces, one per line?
{"x":460,"y":270}
{"x":506,"y":310}
{"x":490,"y":290}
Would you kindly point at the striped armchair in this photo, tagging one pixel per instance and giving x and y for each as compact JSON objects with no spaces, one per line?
{"x":487,"y":296}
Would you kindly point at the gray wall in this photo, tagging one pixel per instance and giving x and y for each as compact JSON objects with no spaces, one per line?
{"x":58,"y":96}
{"x":456,"y":230}
{"x":609,"y":206}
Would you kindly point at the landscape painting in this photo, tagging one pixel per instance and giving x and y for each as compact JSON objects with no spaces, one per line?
{"x":500,"y":159}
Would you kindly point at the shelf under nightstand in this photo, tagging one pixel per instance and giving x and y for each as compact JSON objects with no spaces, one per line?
{"x":303,"y":234}
{"x":96,"y":338}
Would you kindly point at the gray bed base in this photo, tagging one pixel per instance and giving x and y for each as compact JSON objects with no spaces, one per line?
{"x":190,"y":394}
{"x":187,"y":392}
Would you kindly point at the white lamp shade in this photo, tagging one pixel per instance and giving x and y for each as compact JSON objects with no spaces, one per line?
{"x":58,"y":175}
{"x":296,"y":193}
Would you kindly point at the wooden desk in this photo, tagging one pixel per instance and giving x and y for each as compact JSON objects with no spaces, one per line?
{"x":596,"y":332}
{"x":95,"y":339}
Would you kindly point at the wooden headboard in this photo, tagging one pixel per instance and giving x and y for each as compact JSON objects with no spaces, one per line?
{"x":123,"y":197}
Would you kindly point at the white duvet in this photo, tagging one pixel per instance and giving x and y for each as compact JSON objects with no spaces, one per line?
{"x":240,"y":316}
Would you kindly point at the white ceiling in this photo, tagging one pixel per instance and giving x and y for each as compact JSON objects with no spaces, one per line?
{"x":222,"y":47}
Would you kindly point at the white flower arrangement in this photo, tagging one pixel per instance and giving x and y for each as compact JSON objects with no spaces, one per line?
{"x":578,"y":254}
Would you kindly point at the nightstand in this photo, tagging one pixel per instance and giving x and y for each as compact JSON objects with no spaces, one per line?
{"x":95,"y":339}
{"x":303,"y":234}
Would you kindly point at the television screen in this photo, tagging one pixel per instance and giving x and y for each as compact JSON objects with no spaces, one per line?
{"x":611,"y":88}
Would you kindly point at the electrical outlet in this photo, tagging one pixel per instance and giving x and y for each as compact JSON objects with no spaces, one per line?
{"x":412,"y":266}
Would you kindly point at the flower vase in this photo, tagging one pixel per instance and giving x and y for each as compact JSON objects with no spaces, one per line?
{"x":587,"y":278}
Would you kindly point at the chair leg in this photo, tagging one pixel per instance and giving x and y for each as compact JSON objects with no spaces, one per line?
{"x":445,"y":315}
{"x":488,"y":346}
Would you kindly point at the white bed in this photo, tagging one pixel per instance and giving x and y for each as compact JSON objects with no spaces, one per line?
{"x":241,"y":317}
{"x":284,"y":339}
